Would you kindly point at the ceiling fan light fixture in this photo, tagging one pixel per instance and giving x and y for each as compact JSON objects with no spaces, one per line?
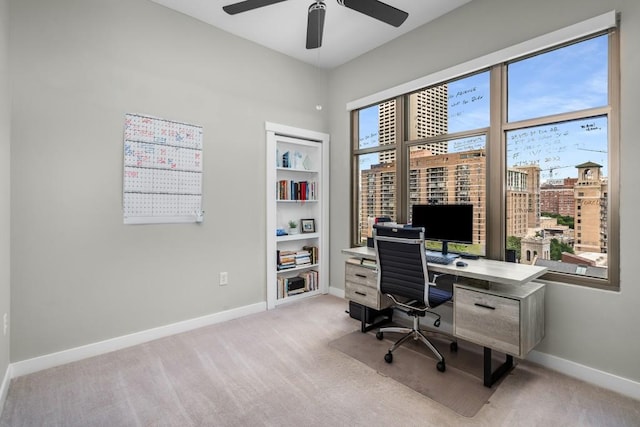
{"x":315,"y":21}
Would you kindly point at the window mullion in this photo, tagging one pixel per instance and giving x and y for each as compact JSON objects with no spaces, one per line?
{"x":496,"y":166}
{"x":402,"y":164}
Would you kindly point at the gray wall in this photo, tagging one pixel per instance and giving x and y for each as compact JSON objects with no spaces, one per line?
{"x":79,"y":275}
{"x":590,"y":327}
{"x":4,"y":185}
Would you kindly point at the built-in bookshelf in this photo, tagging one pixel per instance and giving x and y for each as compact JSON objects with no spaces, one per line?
{"x":297,"y":190}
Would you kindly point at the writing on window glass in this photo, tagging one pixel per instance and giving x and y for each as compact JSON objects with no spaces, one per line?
{"x":560,"y":146}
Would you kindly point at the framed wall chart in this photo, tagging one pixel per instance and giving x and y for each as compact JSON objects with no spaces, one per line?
{"x":162,"y":177}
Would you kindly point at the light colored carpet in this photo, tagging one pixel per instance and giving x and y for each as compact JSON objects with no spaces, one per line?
{"x":459,"y":388}
{"x":277,"y":369}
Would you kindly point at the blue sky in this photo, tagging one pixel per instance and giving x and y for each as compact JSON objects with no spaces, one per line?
{"x":569,"y":79}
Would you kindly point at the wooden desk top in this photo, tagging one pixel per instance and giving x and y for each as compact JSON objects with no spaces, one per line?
{"x":481,"y":269}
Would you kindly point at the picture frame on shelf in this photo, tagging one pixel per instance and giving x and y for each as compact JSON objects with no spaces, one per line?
{"x":308,"y":225}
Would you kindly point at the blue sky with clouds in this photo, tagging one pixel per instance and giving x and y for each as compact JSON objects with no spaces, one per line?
{"x":568,"y":79}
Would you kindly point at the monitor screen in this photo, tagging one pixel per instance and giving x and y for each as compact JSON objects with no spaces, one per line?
{"x":445,"y":223}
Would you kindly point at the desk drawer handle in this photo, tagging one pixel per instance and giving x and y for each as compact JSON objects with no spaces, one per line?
{"x":361,"y":275}
{"x":362,"y":294}
{"x":485,"y":306}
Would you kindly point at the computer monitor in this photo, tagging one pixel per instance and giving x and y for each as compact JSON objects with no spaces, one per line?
{"x":444,"y":223}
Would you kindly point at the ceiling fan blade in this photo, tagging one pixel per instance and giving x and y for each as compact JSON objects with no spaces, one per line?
{"x":377,"y":10}
{"x":315,"y":25}
{"x":247,"y":5}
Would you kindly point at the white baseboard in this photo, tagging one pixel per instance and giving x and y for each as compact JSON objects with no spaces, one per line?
{"x":66,"y":356}
{"x":4,"y":387}
{"x":585,"y":373}
{"x":336,"y":292}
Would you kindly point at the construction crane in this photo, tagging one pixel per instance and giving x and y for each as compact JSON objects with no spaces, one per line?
{"x":597,"y":151}
{"x":551,"y":169}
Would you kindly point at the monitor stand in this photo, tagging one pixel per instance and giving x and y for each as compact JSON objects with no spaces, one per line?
{"x":445,"y":252}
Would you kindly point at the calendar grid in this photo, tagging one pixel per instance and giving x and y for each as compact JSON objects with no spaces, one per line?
{"x":162,"y":179}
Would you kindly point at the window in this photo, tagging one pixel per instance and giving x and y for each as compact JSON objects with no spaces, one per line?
{"x":559,"y":101}
{"x":444,"y":144}
{"x":375,"y":166}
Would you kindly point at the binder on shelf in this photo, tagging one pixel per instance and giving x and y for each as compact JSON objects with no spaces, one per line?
{"x":295,"y":283}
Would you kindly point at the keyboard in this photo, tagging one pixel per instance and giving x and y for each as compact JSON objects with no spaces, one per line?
{"x":438,"y":258}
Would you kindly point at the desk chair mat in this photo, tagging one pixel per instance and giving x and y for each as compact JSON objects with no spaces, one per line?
{"x":459,"y":388}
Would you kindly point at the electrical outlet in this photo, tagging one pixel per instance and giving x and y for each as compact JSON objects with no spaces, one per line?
{"x":224,"y":278}
{"x":5,"y":321}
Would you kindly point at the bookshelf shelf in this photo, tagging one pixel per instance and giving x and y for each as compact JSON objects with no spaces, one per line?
{"x":301,"y":268}
{"x":297,"y":188}
{"x":294,"y":237}
{"x":297,"y":170}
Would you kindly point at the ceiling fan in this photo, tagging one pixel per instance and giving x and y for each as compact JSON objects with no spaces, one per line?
{"x":315,"y":21}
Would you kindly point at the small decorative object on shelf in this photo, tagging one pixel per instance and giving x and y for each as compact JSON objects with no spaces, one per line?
{"x":308,"y":225}
{"x":293,"y":227}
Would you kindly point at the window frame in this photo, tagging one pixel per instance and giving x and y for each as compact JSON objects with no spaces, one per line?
{"x":496,"y":166}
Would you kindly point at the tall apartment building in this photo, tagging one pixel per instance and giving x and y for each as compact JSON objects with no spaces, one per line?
{"x":429,"y":117}
{"x":429,"y":113}
{"x":590,"y":193}
{"x":455,"y":178}
{"x":533,"y":191}
{"x":557,"y":197}
{"x":517,"y":202}
{"x":377,"y":193}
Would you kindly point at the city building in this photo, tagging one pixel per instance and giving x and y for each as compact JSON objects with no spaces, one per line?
{"x":590,"y":193}
{"x":557,"y":196}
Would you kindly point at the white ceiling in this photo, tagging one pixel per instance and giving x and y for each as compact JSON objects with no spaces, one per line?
{"x":283,"y":26}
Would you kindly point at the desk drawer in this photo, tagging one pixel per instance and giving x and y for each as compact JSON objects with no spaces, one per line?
{"x":361,"y":294}
{"x":488,"y":320}
{"x":361,"y":275}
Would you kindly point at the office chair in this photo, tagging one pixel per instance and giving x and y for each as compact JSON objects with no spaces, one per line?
{"x":403,"y":277}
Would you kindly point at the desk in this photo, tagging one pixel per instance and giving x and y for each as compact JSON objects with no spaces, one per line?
{"x":489,"y":270}
{"x":496,"y":304}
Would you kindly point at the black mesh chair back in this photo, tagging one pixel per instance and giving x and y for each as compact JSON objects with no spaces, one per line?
{"x":402,"y":268}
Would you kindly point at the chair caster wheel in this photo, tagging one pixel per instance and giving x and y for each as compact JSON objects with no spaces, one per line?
{"x":453,"y":346}
{"x":441,"y":366}
{"x":388,"y":357}
{"x":379,"y":335}
{"x":437,"y":323}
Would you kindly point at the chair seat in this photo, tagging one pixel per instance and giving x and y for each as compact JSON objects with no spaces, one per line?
{"x":438,"y":296}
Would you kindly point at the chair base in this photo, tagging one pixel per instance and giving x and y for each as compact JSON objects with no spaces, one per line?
{"x":417,"y":334}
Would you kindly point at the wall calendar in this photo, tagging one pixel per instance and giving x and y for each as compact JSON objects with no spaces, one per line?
{"x":162,"y":179}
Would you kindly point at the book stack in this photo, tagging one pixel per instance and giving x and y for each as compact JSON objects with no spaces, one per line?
{"x":287,"y":189}
{"x":302,"y":257}
{"x":304,"y":282}
{"x":286,"y":260}
{"x":313,"y":253}
{"x":310,"y":279}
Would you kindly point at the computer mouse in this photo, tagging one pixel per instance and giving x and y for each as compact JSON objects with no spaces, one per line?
{"x":461,"y":264}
